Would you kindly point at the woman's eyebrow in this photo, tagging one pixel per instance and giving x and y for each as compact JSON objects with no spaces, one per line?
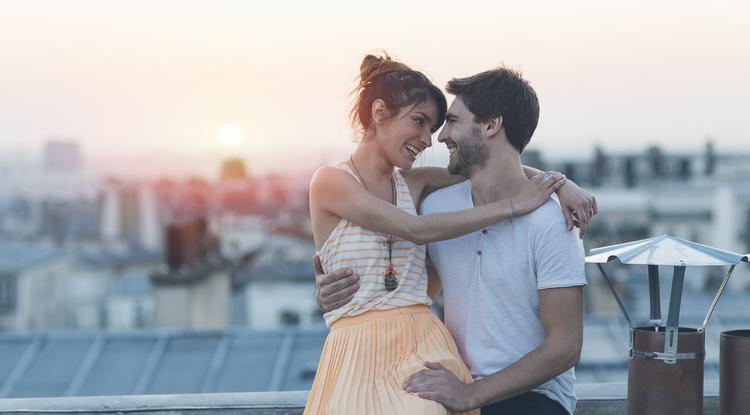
{"x":429,"y":120}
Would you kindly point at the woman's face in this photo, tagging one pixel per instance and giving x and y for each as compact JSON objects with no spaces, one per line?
{"x":408,"y":133}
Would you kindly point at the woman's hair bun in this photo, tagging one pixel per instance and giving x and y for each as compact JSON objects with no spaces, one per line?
{"x":373,"y":66}
{"x":407,"y":87}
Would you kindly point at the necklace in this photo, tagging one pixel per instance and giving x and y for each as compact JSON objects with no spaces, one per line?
{"x":389,"y":279}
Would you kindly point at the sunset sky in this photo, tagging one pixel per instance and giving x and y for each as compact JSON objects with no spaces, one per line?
{"x":151,"y":82}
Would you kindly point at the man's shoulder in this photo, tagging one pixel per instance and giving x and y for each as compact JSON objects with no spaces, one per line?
{"x":549,"y":212}
{"x":548,"y":228}
{"x":439,"y":200}
{"x":548,"y":218}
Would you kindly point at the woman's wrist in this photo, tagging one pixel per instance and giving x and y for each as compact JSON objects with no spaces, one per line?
{"x":512,"y":209}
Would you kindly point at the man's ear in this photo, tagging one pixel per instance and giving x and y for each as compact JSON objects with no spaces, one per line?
{"x":380,"y":111}
{"x":493,"y":126}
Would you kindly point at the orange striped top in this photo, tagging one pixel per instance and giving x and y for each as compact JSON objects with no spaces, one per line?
{"x":366,"y":253}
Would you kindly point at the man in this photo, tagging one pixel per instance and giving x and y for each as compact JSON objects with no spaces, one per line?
{"x":513,"y":292}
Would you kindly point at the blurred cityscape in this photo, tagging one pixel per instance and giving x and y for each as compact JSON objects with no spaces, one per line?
{"x":114,"y":253}
{"x":199,"y":286}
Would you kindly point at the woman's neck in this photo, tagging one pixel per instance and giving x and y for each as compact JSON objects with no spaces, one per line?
{"x":371,"y":164}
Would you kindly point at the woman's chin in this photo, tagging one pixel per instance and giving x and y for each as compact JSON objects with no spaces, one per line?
{"x":405,"y":165}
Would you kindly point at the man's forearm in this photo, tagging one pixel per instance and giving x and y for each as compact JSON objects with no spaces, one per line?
{"x":537,"y":367}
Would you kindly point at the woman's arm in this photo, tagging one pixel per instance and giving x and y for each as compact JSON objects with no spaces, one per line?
{"x":438,"y":177}
{"x":334,"y":191}
{"x":424,"y":180}
{"x":578,"y":205}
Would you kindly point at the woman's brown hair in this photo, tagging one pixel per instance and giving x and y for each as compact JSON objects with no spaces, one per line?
{"x":381,"y":77}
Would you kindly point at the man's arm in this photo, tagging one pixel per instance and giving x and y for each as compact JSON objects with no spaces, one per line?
{"x":335,"y":289}
{"x":561,"y":314}
{"x":434,"y":286}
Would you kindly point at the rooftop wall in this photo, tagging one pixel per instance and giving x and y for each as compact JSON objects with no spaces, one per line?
{"x":594,"y":399}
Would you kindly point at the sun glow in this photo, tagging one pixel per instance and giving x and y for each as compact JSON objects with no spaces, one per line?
{"x":229,"y":134}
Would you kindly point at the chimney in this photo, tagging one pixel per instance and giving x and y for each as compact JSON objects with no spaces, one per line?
{"x":193,"y":288}
{"x":656,"y":162}
{"x":710,"y":159}
{"x":601,"y":167}
{"x":629,"y":172}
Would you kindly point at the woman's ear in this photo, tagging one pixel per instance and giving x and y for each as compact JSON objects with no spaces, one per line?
{"x":379,"y":111}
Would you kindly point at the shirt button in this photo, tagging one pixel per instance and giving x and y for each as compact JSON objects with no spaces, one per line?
{"x":479,"y":252}
{"x":484,"y":230}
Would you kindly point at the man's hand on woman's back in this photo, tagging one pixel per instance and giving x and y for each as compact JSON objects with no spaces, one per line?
{"x":334,"y":289}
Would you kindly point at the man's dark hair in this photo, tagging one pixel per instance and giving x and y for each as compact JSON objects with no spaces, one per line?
{"x":501,"y":92}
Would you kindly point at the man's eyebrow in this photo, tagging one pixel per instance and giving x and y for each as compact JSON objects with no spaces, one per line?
{"x":451,"y":116}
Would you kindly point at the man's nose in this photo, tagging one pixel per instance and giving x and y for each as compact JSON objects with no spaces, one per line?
{"x":443,"y":135}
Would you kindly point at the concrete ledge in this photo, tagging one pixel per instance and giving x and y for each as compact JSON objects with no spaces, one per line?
{"x":594,"y":399}
{"x":209,"y":403}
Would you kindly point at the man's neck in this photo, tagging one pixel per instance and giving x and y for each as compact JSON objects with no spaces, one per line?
{"x":501,"y":177}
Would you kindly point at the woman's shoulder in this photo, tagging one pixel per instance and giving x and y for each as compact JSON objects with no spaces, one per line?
{"x":332,"y":171}
{"x":331,"y":175}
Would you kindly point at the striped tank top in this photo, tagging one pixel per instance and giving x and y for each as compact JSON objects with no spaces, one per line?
{"x":366,"y":253}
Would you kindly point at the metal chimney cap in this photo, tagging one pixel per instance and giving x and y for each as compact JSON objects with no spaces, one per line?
{"x":665,"y":250}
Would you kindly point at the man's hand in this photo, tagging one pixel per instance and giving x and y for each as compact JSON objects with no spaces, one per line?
{"x":335,"y":289}
{"x":439,"y":384}
{"x":578,"y":206}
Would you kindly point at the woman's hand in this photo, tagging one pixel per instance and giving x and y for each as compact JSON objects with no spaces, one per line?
{"x":578,"y":206}
{"x":536,"y":191}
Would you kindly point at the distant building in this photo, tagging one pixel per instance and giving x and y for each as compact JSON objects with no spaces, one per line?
{"x":130,"y":214}
{"x":532,"y":157}
{"x":277,"y":287}
{"x":233,"y":169}
{"x":650,"y":167}
{"x":62,"y":156}
{"x":29,"y":272}
{"x":192,"y":289}
{"x":43,"y":287}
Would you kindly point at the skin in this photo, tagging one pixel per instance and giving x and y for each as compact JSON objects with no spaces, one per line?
{"x":561,"y":315}
{"x":332,"y":189}
{"x":335,"y":194}
{"x":336,"y":288}
{"x":561,"y":309}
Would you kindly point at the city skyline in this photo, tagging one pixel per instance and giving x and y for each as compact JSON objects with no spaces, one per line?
{"x":148,"y":82}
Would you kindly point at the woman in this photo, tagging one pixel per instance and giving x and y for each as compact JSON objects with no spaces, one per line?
{"x":364,"y":218}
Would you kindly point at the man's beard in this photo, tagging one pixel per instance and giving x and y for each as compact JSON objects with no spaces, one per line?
{"x":470,"y":153}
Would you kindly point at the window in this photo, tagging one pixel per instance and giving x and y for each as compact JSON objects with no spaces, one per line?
{"x":8,"y":293}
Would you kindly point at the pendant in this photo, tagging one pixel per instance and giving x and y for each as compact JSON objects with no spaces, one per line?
{"x":391,"y":282}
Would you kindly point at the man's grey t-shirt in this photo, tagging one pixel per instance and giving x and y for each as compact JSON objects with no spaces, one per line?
{"x":491,"y":280}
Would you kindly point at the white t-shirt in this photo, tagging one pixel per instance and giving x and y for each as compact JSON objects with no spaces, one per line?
{"x":491,"y":280}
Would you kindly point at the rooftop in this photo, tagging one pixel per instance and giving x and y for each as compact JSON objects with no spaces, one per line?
{"x":593,"y":399}
{"x":59,"y":364}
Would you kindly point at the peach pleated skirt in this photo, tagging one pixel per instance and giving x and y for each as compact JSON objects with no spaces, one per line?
{"x":367,"y":358}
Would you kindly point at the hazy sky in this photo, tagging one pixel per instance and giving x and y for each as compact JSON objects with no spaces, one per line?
{"x":150,"y":82}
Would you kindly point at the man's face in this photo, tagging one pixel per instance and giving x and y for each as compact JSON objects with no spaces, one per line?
{"x":462,"y":135}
